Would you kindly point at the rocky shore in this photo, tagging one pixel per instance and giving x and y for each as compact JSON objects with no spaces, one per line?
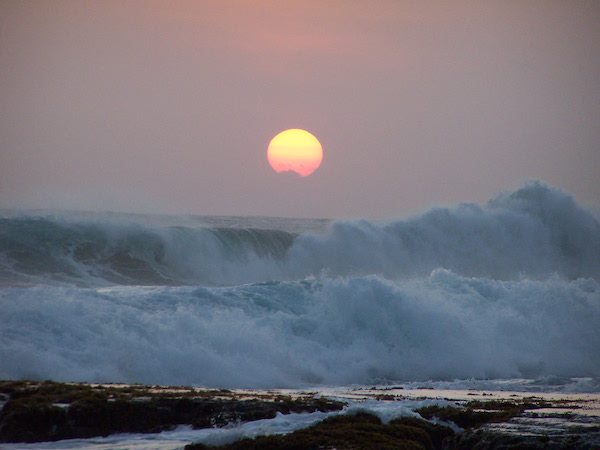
{"x":432,"y":420}
{"x":367,"y":432}
{"x":49,"y":411}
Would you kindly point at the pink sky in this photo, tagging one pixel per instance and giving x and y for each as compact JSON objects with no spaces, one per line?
{"x":170,"y":106}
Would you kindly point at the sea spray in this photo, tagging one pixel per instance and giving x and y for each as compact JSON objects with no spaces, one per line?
{"x":321,"y":331}
{"x":533,"y":232}
{"x":505,"y":289}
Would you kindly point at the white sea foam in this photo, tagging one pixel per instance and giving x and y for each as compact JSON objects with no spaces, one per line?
{"x":319,"y":331}
{"x":533,"y":232}
{"x":178,"y":438}
{"x":507,"y":289}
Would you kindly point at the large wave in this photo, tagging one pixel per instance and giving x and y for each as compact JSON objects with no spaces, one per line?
{"x":37,"y":250}
{"x":505,"y":289}
{"x":308,"y":332}
{"x":535,"y":231}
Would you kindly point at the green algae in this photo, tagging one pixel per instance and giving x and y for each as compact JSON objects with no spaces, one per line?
{"x":358,"y":432}
{"x":49,"y":411}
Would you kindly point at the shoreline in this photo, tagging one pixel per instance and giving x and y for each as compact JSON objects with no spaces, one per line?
{"x":47,"y":412}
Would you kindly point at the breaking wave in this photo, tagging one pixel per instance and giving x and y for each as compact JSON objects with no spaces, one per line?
{"x":298,"y":333}
{"x":500,"y":290}
{"x":40,"y":250}
{"x":535,"y":231}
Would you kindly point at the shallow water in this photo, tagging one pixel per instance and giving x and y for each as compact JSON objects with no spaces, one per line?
{"x":574,"y":415}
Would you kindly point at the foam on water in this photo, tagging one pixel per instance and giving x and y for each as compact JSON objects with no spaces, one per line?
{"x":361,"y":400}
{"x":535,"y":231}
{"x":178,"y":438}
{"x":321,"y":331}
{"x":508,"y":289}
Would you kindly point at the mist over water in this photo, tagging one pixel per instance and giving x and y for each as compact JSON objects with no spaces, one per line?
{"x":505,"y":289}
{"x":533,"y":232}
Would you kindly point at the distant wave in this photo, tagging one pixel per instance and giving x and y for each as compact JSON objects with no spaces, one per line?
{"x":535,"y":231}
{"x":298,"y":333}
{"x":40,"y":250}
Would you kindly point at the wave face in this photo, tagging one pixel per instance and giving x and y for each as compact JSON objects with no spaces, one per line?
{"x":40,"y":250}
{"x":505,"y":289}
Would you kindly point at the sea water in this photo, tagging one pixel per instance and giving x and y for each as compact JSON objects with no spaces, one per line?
{"x":508,"y":289}
{"x":577,"y":415}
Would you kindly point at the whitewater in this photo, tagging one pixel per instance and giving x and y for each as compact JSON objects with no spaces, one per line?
{"x":506,"y":289}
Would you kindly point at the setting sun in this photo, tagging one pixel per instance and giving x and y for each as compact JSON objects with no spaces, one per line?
{"x":295,"y":150}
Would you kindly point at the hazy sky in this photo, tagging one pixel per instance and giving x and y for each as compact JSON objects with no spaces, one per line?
{"x":169,"y":106}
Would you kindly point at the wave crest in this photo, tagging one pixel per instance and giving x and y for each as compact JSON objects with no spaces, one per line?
{"x":535,"y":231}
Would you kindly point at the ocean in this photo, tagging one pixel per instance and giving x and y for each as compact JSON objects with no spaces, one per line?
{"x":508,"y":289}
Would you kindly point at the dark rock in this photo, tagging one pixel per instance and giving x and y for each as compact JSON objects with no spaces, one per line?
{"x":357,"y":432}
{"x":468,"y":417}
{"x":31,"y":414}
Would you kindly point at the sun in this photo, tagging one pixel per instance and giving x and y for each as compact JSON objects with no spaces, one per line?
{"x":295,"y":150}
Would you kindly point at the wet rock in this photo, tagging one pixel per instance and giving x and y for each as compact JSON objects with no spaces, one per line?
{"x":356,"y":432}
{"x":50,"y":411}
